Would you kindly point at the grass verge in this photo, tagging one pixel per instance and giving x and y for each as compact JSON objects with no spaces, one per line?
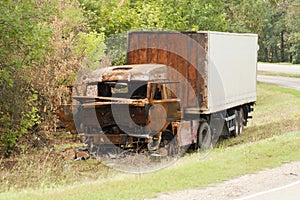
{"x":278,"y":74}
{"x":189,"y":172}
{"x":277,"y":112}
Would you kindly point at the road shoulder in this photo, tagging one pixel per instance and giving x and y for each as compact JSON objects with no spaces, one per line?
{"x":242,"y":186}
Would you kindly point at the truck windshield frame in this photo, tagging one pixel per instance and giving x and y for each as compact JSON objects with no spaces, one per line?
{"x":164,"y":90}
{"x":123,"y":89}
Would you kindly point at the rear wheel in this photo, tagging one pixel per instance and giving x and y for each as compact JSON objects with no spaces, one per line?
{"x":236,"y":130}
{"x":241,"y":120}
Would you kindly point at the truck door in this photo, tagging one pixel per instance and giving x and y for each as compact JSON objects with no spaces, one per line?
{"x":163,"y":95}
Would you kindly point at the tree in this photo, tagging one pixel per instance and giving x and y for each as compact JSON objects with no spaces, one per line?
{"x":42,"y":44}
{"x":275,"y":34}
{"x":274,"y":21}
{"x":23,"y":43}
{"x":114,"y":16}
{"x":293,"y":27}
{"x":245,"y":16}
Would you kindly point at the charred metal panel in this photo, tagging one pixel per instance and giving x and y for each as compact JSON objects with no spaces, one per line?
{"x":184,"y":133}
{"x":142,"y":52}
{"x":132,"y":43}
{"x":198,"y":68}
{"x":185,"y":52}
{"x":106,"y":117}
{"x":138,"y":72}
{"x":152,"y":52}
{"x":162,"y":49}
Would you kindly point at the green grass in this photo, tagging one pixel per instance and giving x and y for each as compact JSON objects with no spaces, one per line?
{"x":189,"y":172}
{"x":279,"y":74}
{"x":265,"y":143}
{"x":277,"y":111}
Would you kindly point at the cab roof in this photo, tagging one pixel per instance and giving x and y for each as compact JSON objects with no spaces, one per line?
{"x":139,"y":72}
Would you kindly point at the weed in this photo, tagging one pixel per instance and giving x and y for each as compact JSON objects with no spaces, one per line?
{"x":277,"y":112}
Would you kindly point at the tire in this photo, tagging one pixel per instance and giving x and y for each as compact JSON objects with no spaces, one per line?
{"x":241,"y":120}
{"x":205,"y":136}
{"x":236,"y":130}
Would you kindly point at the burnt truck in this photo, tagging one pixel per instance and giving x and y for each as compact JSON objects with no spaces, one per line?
{"x":177,"y":89}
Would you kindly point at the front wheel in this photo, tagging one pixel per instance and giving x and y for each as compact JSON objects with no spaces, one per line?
{"x":205,"y":137}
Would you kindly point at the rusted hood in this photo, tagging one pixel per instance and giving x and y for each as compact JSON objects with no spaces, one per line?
{"x":142,"y":72}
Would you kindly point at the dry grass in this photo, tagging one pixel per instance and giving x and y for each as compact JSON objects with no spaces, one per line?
{"x":47,"y":168}
{"x":277,"y":112}
{"x":189,"y":172}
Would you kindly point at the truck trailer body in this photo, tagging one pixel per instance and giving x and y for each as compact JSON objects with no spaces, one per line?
{"x":221,"y":67}
{"x":176,"y":90}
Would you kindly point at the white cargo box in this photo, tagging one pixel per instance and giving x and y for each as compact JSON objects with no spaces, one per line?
{"x":220,"y":67}
{"x":232,"y":66}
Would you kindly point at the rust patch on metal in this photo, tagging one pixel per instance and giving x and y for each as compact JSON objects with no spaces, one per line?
{"x":187,"y":55}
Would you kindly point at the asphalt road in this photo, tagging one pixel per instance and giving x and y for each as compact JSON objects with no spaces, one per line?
{"x":287,"y":192}
{"x":290,"y":191}
{"x":287,"y":82}
{"x":282,"y":183}
{"x":284,"y":68}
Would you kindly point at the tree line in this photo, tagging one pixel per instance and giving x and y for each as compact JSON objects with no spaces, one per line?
{"x":43,"y":44}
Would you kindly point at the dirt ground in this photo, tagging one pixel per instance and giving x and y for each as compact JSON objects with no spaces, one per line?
{"x":241,"y":186}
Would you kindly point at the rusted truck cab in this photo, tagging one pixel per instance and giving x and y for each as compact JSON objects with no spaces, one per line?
{"x":130,"y":106}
